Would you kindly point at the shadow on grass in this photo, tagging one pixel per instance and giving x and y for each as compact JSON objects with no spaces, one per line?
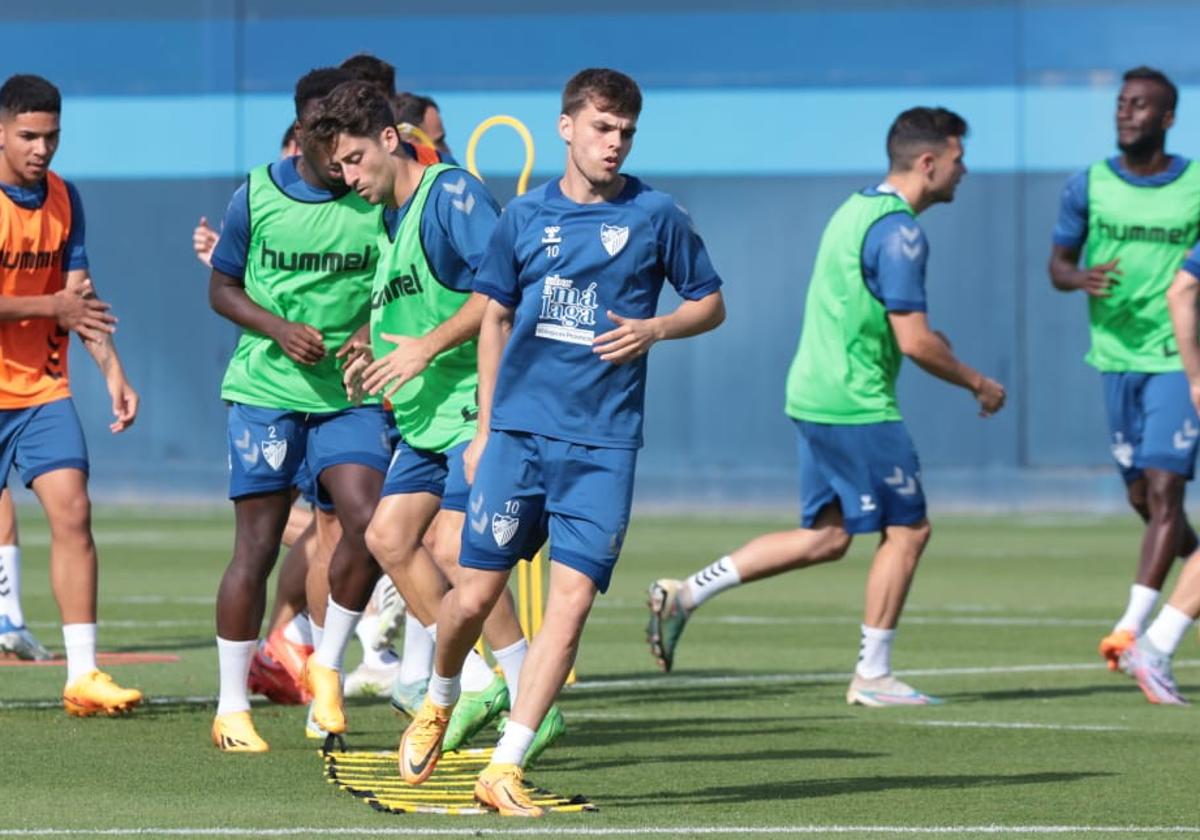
{"x":820,"y":788}
{"x":1026,"y":694}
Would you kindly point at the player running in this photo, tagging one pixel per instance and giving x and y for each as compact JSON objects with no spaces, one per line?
{"x":45,"y":294}
{"x":859,"y":472}
{"x":424,"y":322}
{"x":573,"y":274}
{"x":1133,"y":217}
{"x":293,"y":268}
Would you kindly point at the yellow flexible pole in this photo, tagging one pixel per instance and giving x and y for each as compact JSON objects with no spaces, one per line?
{"x":412,"y":131}
{"x":518,"y":126}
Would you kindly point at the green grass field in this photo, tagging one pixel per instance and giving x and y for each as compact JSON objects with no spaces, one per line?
{"x":751,"y":734}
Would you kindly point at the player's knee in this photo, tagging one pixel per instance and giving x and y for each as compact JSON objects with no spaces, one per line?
{"x":1164,"y":496}
{"x":834,"y":544}
{"x":72,"y":517}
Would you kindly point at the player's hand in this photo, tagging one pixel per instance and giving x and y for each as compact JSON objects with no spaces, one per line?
{"x":631,"y":340}
{"x":1098,"y":280}
{"x":473,"y":453}
{"x":355,"y":355}
{"x":80,"y":310}
{"x":991,"y":395}
{"x":301,"y":343}
{"x":125,"y":403}
{"x":204,"y":241}
{"x":399,"y":366}
{"x":1194,"y":390}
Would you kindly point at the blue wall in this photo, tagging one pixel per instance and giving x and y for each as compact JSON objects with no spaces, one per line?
{"x":760,"y":117}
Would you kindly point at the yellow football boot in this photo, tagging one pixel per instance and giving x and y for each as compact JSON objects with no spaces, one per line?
{"x":95,"y":693}
{"x":502,"y":786}
{"x":325,"y":685}
{"x":235,"y":732}
{"x":421,"y":743}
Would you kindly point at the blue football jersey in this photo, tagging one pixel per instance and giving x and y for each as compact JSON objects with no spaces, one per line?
{"x":563,"y":267}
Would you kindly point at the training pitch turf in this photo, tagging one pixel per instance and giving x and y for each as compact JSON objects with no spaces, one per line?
{"x":750,"y":735}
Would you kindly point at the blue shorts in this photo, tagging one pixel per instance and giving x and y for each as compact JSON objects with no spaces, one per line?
{"x":304,"y":482}
{"x":271,"y":450}
{"x":41,"y":439}
{"x":870,"y":469}
{"x":528,"y":486}
{"x":1152,"y":423}
{"x":421,"y":471}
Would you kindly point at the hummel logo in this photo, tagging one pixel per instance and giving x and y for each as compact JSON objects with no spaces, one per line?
{"x":457,"y":188}
{"x":249,"y":451}
{"x":1183,"y":439}
{"x":897,"y":480}
{"x":911,"y":247}
{"x":477,"y":504}
{"x":465,"y":206}
{"x":479,"y":525}
{"x":550,"y":235}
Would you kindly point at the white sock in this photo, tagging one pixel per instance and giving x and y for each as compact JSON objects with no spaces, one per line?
{"x":416,"y":662}
{"x":317,"y":632}
{"x":711,"y":580}
{"x":385,"y":658}
{"x":1141,"y":603}
{"x":298,"y":631}
{"x":1168,"y":629}
{"x":444,"y":691}
{"x":514,"y":743}
{"x":233,"y":664}
{"x":339,"y":627}
{"x":10,"y":584}
{"x":80,"y":642}
{"x":476,"y":673}
{"x":511,"y":659}
{"x":875,"y":652}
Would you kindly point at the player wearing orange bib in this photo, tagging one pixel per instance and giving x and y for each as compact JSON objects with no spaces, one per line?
{"x":45,"y":294}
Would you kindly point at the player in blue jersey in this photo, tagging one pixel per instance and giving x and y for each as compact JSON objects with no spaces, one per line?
{"x":573,"y":274}
{"x":1131,"y":219}
{"x":1148,"y":659}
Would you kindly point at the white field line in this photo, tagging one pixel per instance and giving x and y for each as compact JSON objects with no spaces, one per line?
{"x":639,"y":831}
{"x":670,"y":681}
{"x":984,"y":724}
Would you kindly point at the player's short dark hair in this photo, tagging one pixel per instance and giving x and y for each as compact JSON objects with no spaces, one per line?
{"x":356,"y":108}
{"x":1149,"y":74}
{"x":317,"y":84}
{"x":289,"y":136}
{"x":610,"y":90}
{"x":919,"y":130}
{"x":369,"y":68}
{"x":411,"y":107}
{"x":23,"y":94}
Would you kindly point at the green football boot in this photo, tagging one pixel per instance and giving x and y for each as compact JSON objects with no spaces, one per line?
{"x":667,"y":620}
{"x":475,"y":710}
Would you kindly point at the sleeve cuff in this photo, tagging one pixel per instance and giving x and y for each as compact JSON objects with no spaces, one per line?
{"x":501,"y":296}
{"x":228,"y":269}
{"x":702,"y":291}
{"x":1068,"y":241}
{"x":904,"y":305}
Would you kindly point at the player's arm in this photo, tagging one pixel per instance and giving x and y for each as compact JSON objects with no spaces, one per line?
{"x":69,"y":308}
{"x":634,"y":337}
{"x":1182,"y":299}
{"x":932,"y":352}
{"x":494,"y":331}
{"x":412,"y":354}
{"x":103,"y":350}
{"x":227,"y":296}
{"x":1070,"y":232}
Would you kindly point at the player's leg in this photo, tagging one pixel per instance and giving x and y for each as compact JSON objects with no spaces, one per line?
{"x":260,"y":488}
{"x":15,"y":637}
{"x":509,"y":470}
{"x":1164,"y":431}
{"x":822,"y":537}
{"x":376,"y":674}
{"x":51,"y":456}
{"x":394,"y":538}
{"x":327,"y":533}
{"x":349,"y":453}
{"x":888,"y":583}
{"x":1149,"y":660}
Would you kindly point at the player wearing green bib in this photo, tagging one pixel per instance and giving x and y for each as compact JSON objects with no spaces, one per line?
{"x":424,"y":322}
{"x":859,"y":473}
{"x":1132,"y":219}
{"x":293,"y":268}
